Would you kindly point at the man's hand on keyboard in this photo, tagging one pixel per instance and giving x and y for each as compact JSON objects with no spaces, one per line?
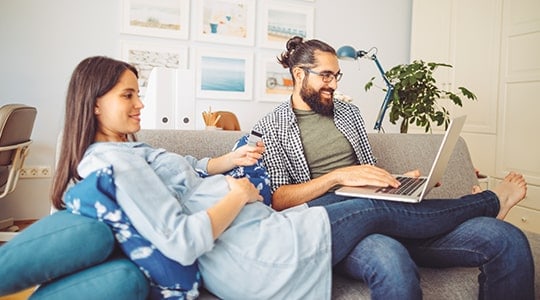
{"x":413,"y":173}
{"x":416,"y":173}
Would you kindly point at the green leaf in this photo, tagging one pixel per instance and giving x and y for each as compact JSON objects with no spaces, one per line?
{"x":368,"y":85}
{"x":467,"y":93}
{"x":416,"y":95}
{"x":455,"y":98}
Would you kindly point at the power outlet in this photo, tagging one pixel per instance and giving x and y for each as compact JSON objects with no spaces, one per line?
{"x":35,"y":172}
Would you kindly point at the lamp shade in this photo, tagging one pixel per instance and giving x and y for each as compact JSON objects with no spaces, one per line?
{"x":347,"y":53}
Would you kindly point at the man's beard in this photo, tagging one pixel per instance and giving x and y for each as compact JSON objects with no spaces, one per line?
{"x":313,"y":99}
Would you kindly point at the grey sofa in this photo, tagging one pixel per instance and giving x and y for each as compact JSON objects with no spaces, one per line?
{"x":395,"y":152}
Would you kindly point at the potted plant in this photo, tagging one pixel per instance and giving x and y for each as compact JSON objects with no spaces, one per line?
{"x":416,"y":98}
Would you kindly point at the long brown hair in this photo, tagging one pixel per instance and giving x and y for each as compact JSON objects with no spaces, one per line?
{"x":91,"y":79}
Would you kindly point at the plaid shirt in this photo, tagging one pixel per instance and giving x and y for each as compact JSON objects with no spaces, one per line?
{"x":284,"y":156}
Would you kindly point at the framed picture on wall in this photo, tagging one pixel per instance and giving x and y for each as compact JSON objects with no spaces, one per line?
{"x":274,"y":83}
{"x":164,"y":18}
{"x":146,"y":56}
{"x":280,"y":21}
{"x":225,"y":21}
{"x":223,"y":74}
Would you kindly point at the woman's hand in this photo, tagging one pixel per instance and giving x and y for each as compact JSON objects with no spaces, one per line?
{"x":242,"y":188}
{"x":247,"y":155}
{"x":243,"y":156}
{"x":222,"y":214}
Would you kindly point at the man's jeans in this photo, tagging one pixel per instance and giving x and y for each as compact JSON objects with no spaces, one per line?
{"x":382,"y":242}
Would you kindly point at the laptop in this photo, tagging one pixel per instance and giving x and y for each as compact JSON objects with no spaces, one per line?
{"x":413,"y":189}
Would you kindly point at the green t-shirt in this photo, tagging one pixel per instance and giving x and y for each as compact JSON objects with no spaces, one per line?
{"x":325,"y":147}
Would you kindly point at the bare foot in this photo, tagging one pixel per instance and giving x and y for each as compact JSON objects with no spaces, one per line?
{"x":510,"y":191}
{"x":476,"y":189}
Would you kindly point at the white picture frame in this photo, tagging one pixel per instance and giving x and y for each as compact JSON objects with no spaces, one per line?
{"x":279,"y":21}
{"x":164,"y":18}
{"x":223,"y":74}
{"x":225,"y":21}
{"x":146,"y":56}
{"x":274,"y":83}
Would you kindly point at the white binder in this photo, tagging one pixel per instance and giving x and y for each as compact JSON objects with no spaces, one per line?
{"x":169,"y":100}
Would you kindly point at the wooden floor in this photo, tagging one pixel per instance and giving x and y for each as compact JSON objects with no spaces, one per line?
{"x":23,"y":295}
{"x":22,"y":225}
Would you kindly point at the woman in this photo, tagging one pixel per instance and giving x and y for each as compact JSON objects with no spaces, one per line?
{"x":244,"y":248}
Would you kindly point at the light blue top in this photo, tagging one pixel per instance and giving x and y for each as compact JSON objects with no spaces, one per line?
{"x":264,"y":254}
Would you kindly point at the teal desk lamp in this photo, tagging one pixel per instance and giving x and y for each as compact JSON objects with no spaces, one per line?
{"x":349,"y":53}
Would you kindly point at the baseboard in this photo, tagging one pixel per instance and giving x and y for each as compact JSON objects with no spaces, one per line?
{"x":6,"y":236}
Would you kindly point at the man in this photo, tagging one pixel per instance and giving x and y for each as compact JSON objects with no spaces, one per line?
{"x":315,"y":143}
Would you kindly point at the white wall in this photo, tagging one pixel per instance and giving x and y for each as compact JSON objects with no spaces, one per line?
{"x":43,"y":41}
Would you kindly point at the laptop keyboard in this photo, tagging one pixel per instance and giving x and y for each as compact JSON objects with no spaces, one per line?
{"x":407,"y":187}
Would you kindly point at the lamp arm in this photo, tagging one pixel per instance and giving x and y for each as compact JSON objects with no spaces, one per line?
{"x":389,"y":92}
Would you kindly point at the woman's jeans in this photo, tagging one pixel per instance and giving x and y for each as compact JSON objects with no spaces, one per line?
{"x":381,"y":242}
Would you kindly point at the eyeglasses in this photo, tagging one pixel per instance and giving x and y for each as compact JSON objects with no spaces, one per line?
{"x":326,"y":76}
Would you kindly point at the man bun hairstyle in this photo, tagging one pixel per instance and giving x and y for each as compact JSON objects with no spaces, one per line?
{"x":301,"y":53}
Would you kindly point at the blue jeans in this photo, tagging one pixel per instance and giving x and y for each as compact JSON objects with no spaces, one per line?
{"x":381,"y":242}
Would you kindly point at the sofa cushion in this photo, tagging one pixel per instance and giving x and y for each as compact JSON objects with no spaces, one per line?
{"x":95,"y":197}
{"x":54,"y":246}
{"x":117,"y":278}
